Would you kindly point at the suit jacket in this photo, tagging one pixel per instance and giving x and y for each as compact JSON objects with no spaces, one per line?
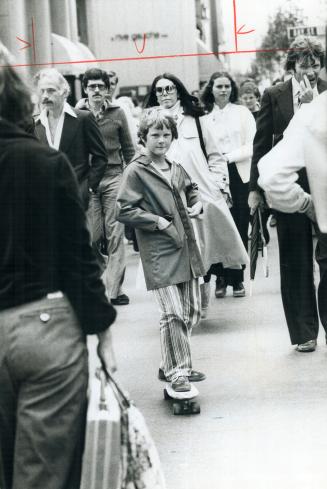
{"x":274,"y":116}
{"x":83,"y":144}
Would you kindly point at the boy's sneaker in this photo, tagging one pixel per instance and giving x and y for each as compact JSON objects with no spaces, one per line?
{"x":181,"y":384}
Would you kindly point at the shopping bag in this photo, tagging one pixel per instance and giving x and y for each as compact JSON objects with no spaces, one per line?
{"x":102,"y":453}
{"x":140,"y":463}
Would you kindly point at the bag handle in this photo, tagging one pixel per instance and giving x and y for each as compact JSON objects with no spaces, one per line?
{"x":200,"y":133}
{"x":121,"y":396}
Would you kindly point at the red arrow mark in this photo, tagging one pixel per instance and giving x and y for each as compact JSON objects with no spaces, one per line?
{"x":238,"y":31}
{"x":140,"y":51}
{"x":29,"y":44}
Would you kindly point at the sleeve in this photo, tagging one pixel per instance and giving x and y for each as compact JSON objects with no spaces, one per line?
{"x":216,"y":161}
{"x":126,"y":141}
{"x":248,"y":128}
{"x":96,"y":149}
{"x":278,"y":170}
{"x":263,"y":139}
{"x":191,"y":189}
{"x":129,"y":201}
{"x":79,"y":271}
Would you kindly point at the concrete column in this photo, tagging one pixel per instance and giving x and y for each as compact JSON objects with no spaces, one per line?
{"x":40,"y":12}
{"x":12,"y":24}
{"x":73,"y":20}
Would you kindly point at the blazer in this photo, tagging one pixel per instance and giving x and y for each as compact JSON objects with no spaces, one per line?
{"x":169,"y":256}
{"x":274,"y":116}
{"x":83,"y":144}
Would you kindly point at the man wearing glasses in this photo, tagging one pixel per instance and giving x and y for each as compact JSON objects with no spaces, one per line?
{"x":72,"y":131}
{"x":294,"y":231}
{"x":117,"y":138}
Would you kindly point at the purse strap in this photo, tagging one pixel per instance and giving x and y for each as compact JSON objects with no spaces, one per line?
{"x":121,"y":396}
{"x":199,"y":128}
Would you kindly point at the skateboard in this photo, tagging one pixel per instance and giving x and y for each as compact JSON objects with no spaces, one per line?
{"x":183,"y":402}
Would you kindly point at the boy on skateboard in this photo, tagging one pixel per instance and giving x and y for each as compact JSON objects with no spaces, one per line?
{"x":158,"y":198}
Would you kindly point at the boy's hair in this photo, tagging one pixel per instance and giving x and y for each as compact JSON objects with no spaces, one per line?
{"x":156,"y":117}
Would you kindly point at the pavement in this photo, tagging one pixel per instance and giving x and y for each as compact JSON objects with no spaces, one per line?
{"x":263,"y":421}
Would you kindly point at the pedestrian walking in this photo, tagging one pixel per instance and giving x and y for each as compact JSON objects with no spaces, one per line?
{"x":234,"y":129}
{"x":73,"y":131}
{"x":294,"y":230}
{"x":158,"y":198}
{"x":51,"y":296}
{"x":196,"y":150}
{"x":119,"y":146}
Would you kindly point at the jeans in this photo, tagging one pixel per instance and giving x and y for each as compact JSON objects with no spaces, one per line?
{"x":43,"y":383}
{"x":101,"y":215}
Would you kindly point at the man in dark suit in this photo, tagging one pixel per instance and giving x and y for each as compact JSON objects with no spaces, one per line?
{"x":294,"y":231}
{"x":74,"y":132}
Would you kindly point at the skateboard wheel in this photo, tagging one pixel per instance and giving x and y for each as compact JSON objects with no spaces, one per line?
{"x":166,"y":395}
{"x":195,"y":407}
{"x":177,"y":408}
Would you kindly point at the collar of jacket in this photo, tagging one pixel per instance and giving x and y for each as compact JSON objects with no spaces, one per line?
{"x":105,"y":106}
{"x":145,"y":160}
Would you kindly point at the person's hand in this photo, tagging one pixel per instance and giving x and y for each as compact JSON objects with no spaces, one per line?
{"x":195,"y":210}
{"x":105,"y":350}
{"x":306,"y":96}
{"x":255,"y":200}
{"x":162,"y":223}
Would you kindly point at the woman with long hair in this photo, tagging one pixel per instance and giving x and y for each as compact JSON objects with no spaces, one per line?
{"x":196,"y":150}
{"x":234,"y":129}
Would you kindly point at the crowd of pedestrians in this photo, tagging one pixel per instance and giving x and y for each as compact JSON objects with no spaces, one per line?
{"x":185,"y":172}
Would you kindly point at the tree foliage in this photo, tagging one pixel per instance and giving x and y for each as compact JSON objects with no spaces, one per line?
{"x":268,"y":64}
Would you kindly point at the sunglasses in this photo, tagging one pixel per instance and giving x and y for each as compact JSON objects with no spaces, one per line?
{"x":94,"y":86}
{"x":167,"y":89}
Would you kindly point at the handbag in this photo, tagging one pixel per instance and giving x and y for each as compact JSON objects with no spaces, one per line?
{"x":139,"y":463}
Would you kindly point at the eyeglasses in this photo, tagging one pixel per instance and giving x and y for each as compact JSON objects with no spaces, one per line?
{"x":99,"y":86}
{"x":220,"y":87}
{"x":167,"y":89}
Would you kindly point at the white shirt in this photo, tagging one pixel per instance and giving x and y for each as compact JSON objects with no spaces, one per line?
{"x":304,"y":145}
{"x":43,"y":117}
{"x":234,"y":129}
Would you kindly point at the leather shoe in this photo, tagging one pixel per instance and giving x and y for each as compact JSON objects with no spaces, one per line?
{"x":239,"y":290}
{"x":121,"y":300}
{"x":307,"y":346}
{"x":220,"y":291}
{"x":194,"y":377}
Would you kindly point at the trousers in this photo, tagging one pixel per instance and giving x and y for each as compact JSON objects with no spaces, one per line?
{"x":101,"y":215}
{"x":43,"y":384}
{"x":180,"y":308}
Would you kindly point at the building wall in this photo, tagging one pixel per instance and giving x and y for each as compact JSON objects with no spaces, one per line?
{"x":170,"y":28}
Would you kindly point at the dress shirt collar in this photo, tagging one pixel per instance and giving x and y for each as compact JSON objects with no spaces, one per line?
{"x":43,"y":118}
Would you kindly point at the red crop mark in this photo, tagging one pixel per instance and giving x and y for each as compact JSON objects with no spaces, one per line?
{"x":29,"y":44}
{"x":140,"y":51}
{"x":238,"y":31}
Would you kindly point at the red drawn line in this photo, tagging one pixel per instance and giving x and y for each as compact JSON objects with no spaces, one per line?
{"x":28,"y":44}
{"x":33,"y":37}
{"x":235,"y":25}
{"x":144,"y":58}
{"x":140,"y":51}
{"x":239,"y":31}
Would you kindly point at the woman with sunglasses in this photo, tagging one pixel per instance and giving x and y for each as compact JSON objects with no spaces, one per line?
{"x":196,"y":150}
{"x":234,"y":128}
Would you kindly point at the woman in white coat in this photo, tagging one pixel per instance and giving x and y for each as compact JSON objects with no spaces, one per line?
{"x":196,"y":150}
{"x":234,"y":129}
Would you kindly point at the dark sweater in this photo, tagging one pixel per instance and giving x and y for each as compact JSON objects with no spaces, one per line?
{"x":45,"y":244}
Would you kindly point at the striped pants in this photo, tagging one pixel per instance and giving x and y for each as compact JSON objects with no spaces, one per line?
{"x":180,"y":308}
